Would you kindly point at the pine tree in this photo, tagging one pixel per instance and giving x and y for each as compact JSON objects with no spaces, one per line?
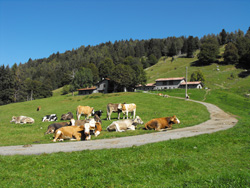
{"x":223,"y":36}
{"x":231,"y":54}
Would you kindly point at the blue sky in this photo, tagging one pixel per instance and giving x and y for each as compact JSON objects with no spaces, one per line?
{"x":36,"y":29}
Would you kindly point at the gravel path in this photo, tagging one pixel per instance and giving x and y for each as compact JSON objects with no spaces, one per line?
{"x":219,"y":121}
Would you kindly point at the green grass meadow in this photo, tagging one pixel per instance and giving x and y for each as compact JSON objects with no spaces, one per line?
{"x":149,"y":106}
{"x":212,"y":160}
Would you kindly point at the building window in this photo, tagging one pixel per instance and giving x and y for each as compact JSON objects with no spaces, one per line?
{"x":171,"y":82}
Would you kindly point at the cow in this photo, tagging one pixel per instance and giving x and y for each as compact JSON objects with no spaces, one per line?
{"x":85,"y":110}
{"x":53,"y":127}
{"x":98,"y":112}
{"x":38,"y":108}
{"x":127,"y":124}
{"x":67,"y":116}
{"x":78,"y":132}
{"x":162,"y":124}
{"x":126,"y":108}
{"x":51,"y":117}
{"x":22,"y":120}
{"x":113,"y":108}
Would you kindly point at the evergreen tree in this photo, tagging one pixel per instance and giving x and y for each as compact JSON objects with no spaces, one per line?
{"x":223,"y":37}
{"x":209,"y":51}
{"x":190,"y":47}
{"x":231,"y":54}
{"x":172,"y":51}
{"x":106,"y":68}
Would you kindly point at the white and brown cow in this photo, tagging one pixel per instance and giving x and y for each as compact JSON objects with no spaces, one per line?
{"x":111,"y":107}
{"x":84,"y":110}
{"x":22,"y":120}
{"x":78,"y":132}
{"x":161,"y":124}
{"x":127,"y":108}
{"x":127,"y":124}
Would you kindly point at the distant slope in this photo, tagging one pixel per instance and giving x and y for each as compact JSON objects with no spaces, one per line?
{"x":226,"y":77}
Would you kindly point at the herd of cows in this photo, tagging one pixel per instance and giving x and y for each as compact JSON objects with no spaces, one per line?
{"x":92,"y":124}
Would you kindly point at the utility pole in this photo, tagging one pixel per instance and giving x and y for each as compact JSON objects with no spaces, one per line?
{"x":187,"y":97}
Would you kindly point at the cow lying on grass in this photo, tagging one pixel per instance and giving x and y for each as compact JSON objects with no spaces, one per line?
{"x":53,"y":127}
{"x":67,"y":116}
{"x":22,"y":120}
{"x":161,"y":124}
{"x":78,"y":133}
{"x":122,"y":125}
{"x":51,"y":117}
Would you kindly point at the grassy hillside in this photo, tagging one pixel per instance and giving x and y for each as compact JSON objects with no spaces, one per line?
{"x":216,"y":160}
{"x":148,"y":107}
{"x":227,"y":77}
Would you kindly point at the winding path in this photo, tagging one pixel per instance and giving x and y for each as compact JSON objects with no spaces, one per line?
{"x":219,"y":121}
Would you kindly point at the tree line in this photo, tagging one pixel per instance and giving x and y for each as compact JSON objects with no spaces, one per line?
{"x":123,"y":62}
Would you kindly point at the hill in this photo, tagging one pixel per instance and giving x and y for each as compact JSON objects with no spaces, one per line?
{"x":217,"y":75}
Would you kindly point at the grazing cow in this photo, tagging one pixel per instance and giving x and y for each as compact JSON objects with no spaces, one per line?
{"x":53,"y":127}
{"x":51,"y":117}
{"x":161,"y":124}
{"x":85,"y":110}
{"x":78,"y":132}
{"x":122,"y":125}
{"x":38,"y":108}
{"x":67,"y":116}
{"x":126,"y":108}
{"x":22,"y":120}
{"x":112,"y":108}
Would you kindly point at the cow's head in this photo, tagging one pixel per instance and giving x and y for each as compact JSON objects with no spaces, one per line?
{"x":175,"y":120}
{"x":64,"y":117}
{"x":137,"y":121}
{"x":14,"y":119}
{"x":120,"y":106}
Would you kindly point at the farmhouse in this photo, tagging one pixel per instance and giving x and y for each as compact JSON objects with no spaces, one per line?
{"x":104,"y":86}
{"x":192,"y":85}
{"x":169,"y":83}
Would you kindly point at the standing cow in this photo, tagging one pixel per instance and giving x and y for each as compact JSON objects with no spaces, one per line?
{"x":126,"y":108}
{"x":84,"y":110}
{"x":113,"y":108}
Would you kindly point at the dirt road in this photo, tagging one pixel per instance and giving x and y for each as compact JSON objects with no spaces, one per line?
{"x":219,"y":121}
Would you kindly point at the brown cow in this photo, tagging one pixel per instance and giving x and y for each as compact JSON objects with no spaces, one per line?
{"x":85,"y":110}
{"x":78,"y":132}
{"x":38,"y":108}
{"x":112,"y":108}
{"x":160,"y":124}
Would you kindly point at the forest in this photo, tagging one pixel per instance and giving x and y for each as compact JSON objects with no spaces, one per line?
{"x":123,"y":62}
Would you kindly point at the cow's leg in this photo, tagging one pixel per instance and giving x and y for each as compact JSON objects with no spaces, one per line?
{"x":78,"y":116}
{"x":134,"y":113}
{"x":131,"y":127}
{"x":57,"y":135}
{"x":127,"y":114}
{"x":119,"y":113}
